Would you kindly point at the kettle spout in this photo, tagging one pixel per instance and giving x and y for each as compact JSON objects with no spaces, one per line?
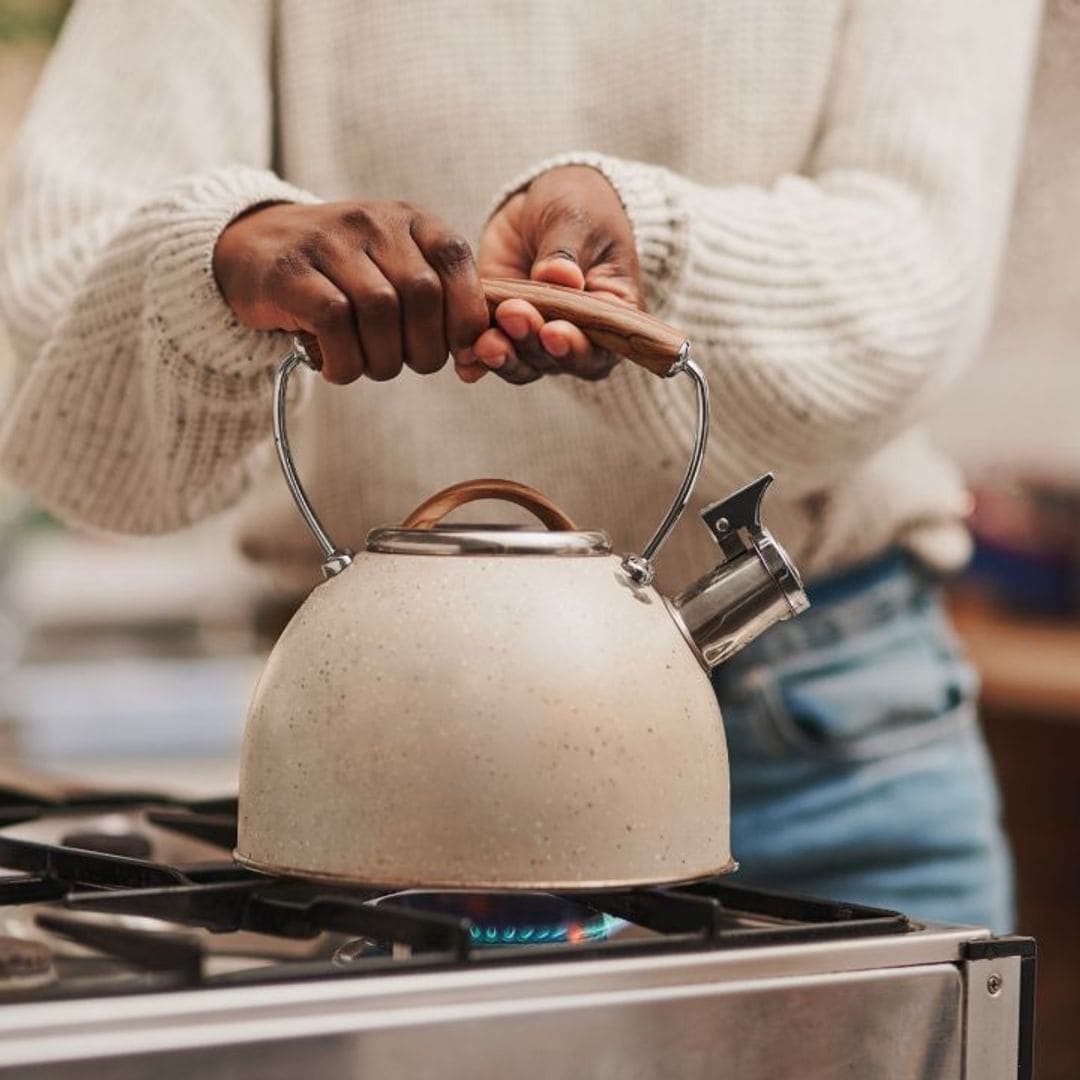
{"x":755,"y":584}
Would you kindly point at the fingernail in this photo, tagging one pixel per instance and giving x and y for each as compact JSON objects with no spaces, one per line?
{"x":558,"y":347}
{"x":494,"y":362}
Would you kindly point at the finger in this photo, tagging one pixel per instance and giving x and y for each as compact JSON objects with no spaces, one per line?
{"x":466,"y":366}
{"x":503,"y":251}
{"x":614,"y":286}
{"x":559,"y":267}
{"x":312,"y":302}
{"x":465,"y":311}
{"x":517,"y":371}
{"x":470,"y":372}
{"x":564,"y":244}
{"x":494,"y":350}
{"x":420,"y":295}
{"x":566,"y":342}
{"x":577,"y":355}
{"x":518,"y":319}
{"x":375,"y":308}
{"x":491,"y":347}
{"x":311,"y":347}
{"x":521,"y":322}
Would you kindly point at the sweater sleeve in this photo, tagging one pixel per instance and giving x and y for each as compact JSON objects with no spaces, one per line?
{"x":137,"y":395}
{"x":830,"y":308}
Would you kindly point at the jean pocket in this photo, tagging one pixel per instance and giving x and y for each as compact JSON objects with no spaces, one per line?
{"x":890,"y":688}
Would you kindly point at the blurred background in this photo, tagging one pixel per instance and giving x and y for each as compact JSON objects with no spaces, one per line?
{"x":128,"y":659}
{"x":120,"y":659}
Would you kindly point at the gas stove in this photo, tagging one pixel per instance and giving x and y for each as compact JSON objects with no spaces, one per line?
{"x":132,"y":945}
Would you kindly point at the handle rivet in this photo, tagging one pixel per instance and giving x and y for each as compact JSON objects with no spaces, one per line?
{"x":722,"y":525}
{"x":994,"y":984}
{"x":638,"y":569}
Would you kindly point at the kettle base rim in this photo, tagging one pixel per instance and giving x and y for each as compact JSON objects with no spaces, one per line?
{"x":564,"y":886}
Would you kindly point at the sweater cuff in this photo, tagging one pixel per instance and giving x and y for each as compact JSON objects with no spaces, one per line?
{"x":213,"y":355}
{"x":649,"y":197}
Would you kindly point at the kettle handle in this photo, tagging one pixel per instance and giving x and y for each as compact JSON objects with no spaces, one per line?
{"x":431,"y":511}
{"x":609,"y":324}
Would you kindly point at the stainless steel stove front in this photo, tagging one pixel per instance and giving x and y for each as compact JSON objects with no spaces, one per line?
{"x":887,"y":1008}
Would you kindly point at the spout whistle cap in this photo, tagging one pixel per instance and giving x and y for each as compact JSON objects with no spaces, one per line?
{"x":754,"y":585}
{"x":735,"y":522}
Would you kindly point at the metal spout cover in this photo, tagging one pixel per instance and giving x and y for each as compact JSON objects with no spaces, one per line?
{"x":754,"y":586}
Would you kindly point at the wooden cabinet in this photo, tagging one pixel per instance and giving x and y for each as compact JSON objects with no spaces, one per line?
{"x":1031,"y":713}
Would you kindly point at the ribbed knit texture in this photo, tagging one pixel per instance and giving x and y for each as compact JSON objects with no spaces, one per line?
{"x":819,"y":193}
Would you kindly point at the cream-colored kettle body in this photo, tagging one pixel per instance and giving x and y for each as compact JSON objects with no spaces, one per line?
{"x":467,"y":707}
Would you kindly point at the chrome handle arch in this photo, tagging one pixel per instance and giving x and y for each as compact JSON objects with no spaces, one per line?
{"x":638,"y":567}
{"x":335,"y":558}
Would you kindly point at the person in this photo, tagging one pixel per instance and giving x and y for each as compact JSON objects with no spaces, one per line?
{"x":816,"y":194}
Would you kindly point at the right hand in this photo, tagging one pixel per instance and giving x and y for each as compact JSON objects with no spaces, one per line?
{"x":378,"y":284}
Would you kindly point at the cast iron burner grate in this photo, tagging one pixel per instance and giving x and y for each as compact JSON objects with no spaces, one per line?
{"x":78,"y":885}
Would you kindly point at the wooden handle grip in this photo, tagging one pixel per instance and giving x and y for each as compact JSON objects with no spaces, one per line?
{"x":608,"y":324}
{"x":429,"y":513}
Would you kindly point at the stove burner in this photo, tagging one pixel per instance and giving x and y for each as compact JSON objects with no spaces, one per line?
{"x":526,"y":918}
{"x":132,"y":844}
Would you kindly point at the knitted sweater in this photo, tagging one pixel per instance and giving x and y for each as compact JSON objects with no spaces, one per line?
{"x":819,"y":193}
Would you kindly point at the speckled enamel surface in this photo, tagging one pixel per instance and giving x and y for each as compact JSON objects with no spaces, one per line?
{"x":484,"y":720}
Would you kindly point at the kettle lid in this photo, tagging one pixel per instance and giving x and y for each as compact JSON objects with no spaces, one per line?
{"x":422,"y":532}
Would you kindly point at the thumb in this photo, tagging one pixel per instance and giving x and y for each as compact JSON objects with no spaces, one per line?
{"x":559,"y":254}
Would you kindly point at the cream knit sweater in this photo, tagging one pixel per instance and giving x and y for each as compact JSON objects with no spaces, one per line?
{"x":819,"y":191}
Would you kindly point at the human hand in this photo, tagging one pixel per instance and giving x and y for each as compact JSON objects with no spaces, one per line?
{"x":567,"y":228}
{"x":379,"y":285}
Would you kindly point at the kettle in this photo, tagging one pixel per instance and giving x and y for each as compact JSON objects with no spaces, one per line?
{"x":463,"y":707}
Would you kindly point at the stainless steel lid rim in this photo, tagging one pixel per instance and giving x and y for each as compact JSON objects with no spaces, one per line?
{"x":487,"y":541}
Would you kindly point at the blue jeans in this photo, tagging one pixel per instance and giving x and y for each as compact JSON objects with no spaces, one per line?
{"x":858,"y":768}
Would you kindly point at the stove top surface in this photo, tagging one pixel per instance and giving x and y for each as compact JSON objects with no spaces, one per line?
{"x":134,"y":892}
{"x":132,"y":945}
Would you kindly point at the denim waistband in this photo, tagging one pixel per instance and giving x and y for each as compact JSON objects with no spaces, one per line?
{"x":847,"y":584}
{"x":848,"y":603}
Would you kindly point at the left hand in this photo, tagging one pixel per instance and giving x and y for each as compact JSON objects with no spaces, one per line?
{"x":567,"y":228}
